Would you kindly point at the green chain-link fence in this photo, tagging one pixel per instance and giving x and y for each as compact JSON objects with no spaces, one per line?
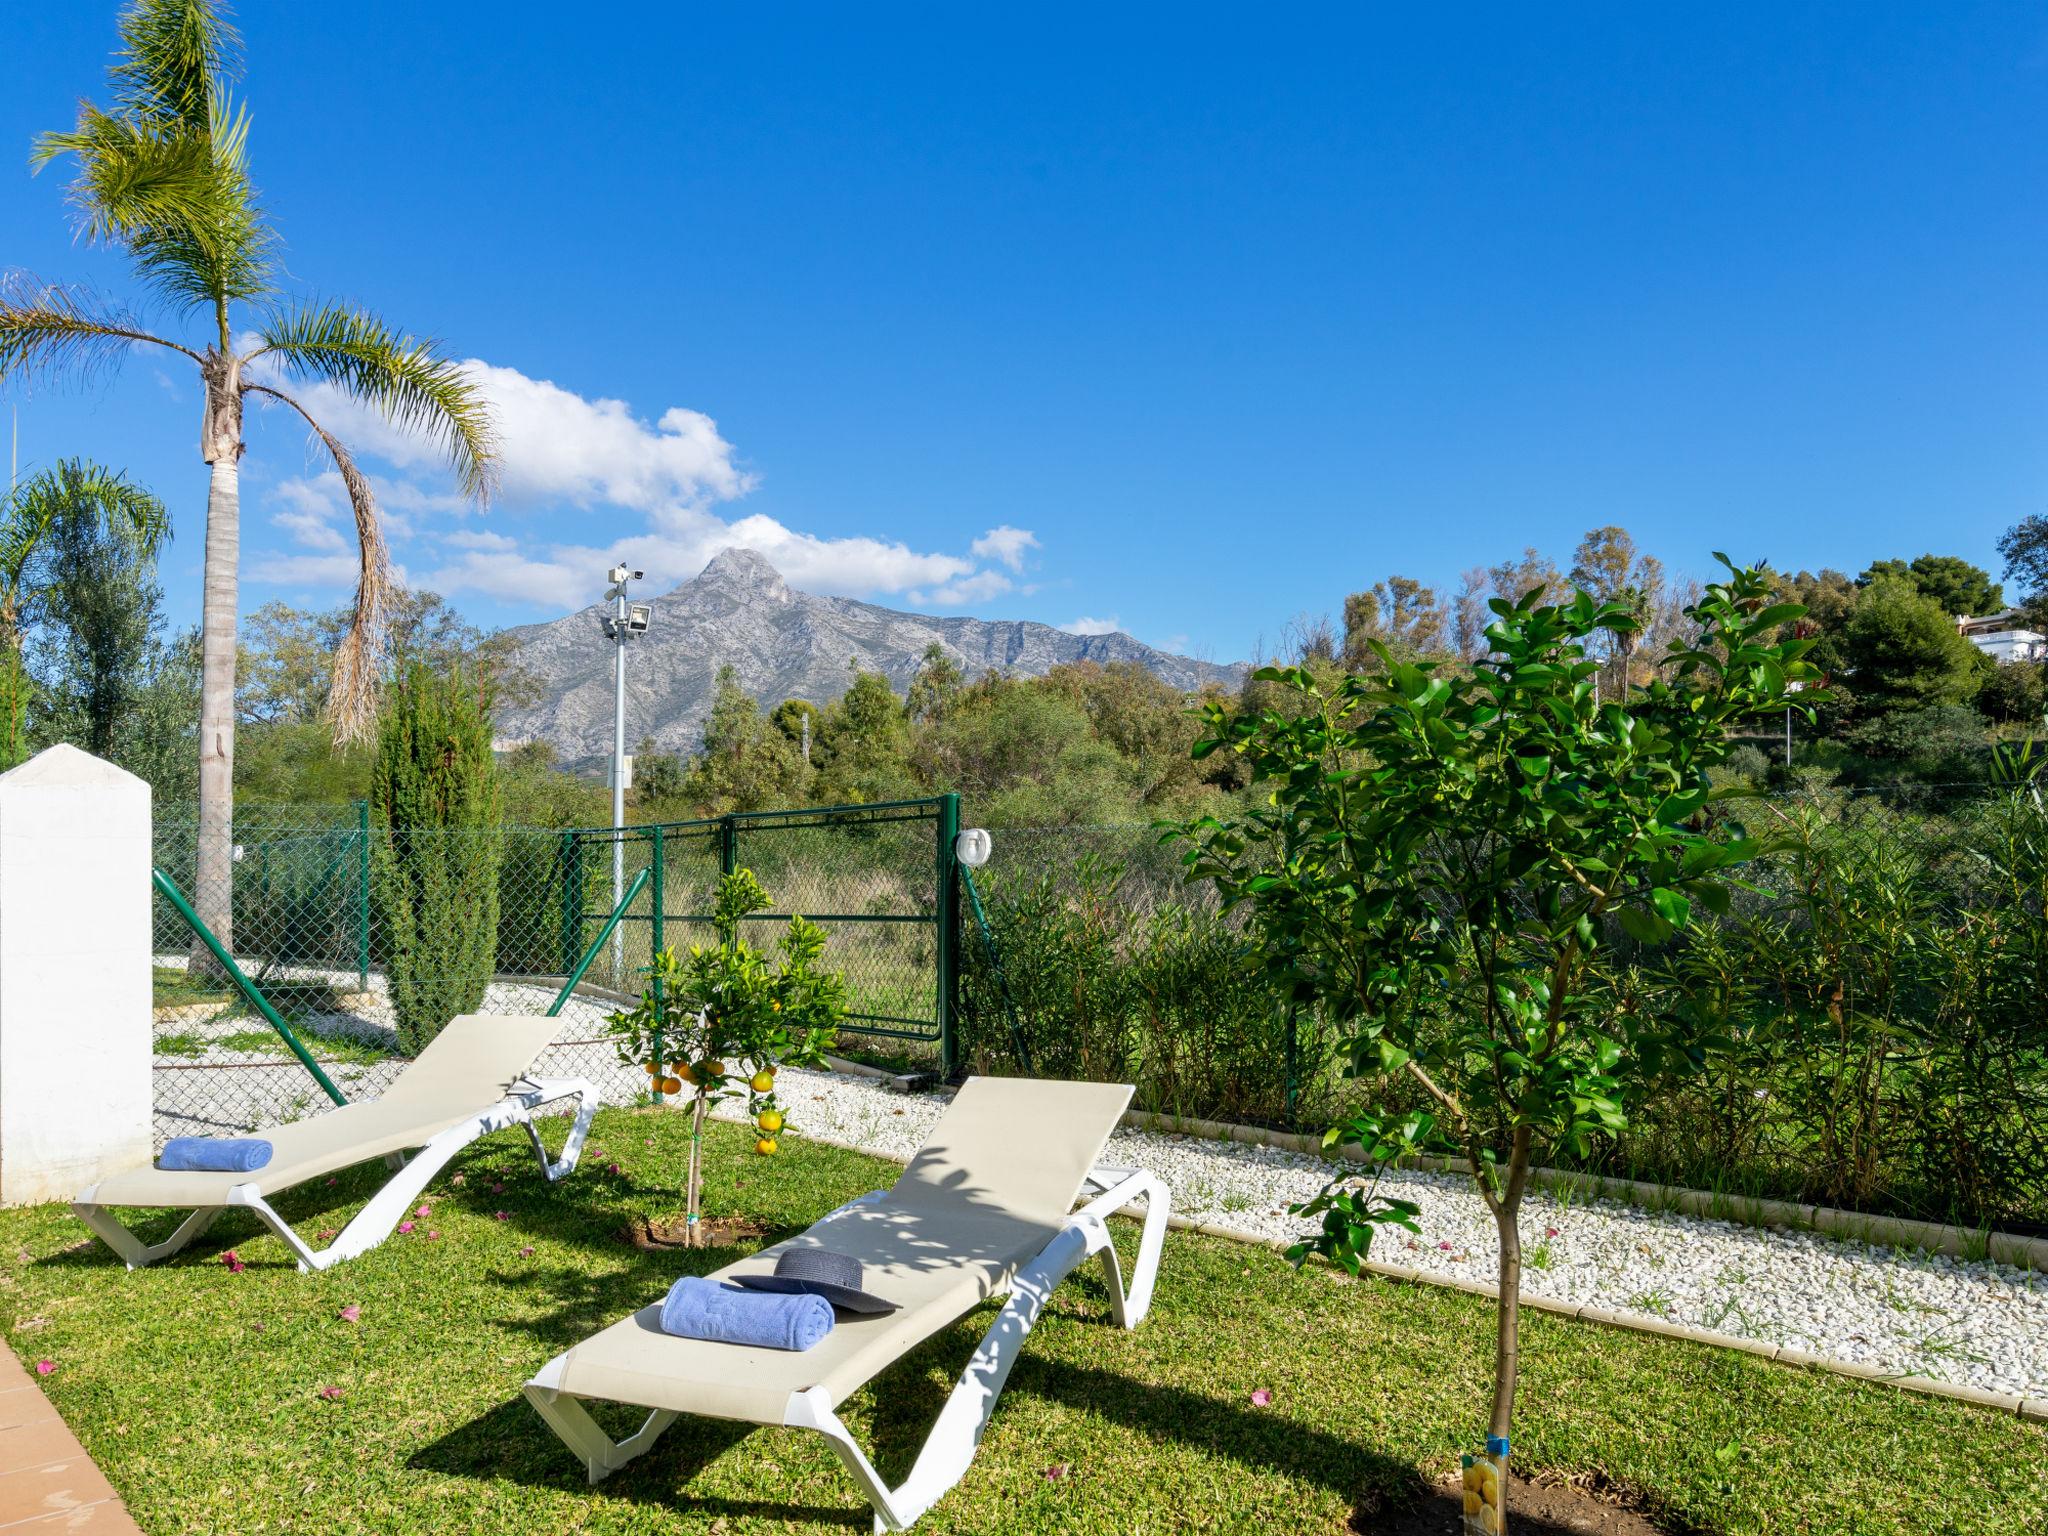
{"x":306,"y":922}
{"x":1881,"y":986}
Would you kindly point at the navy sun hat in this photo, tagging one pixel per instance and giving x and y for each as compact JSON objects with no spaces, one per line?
{"x":834,"y":1276}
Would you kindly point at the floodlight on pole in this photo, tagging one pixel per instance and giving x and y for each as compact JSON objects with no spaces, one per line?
{"x":626,"y":620}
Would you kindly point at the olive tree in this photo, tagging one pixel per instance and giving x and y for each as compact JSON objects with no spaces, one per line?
{"x":1441,"y":861}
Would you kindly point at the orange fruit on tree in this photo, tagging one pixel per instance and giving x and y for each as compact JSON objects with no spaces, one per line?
{"x":671,"y":1085}
{"x":683,"y":1071}
{"x":762,"y":1081}
{"x":712,"y":1070}
{"x":770,"y":1120}
{"x":765,"y":1146}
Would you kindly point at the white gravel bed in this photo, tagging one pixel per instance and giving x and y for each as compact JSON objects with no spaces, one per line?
{"x":1902,"y":1311}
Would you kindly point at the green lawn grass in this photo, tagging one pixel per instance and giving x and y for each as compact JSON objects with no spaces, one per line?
{"x":199,"y":1390}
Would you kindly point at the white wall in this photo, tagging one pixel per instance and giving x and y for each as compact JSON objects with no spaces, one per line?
{"x":75,"y":1031}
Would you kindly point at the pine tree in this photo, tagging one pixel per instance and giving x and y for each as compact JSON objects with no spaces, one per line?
{"x":434,"y":790}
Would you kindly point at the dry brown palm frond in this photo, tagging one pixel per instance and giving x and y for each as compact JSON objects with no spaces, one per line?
{"x":352,"y":699}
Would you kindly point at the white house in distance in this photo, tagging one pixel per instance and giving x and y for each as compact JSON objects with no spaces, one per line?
{"x":1999,"y":636}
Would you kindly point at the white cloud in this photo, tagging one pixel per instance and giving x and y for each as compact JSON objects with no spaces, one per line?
{"x":556,"y":445}
{"x":1006,"y":544}
{"x":660,"y":481}
{"x":1088,"y":626}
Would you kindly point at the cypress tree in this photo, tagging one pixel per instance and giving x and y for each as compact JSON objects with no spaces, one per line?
{"x":434,"y":791}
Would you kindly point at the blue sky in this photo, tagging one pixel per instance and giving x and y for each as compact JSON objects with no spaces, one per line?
{"x":1229,"y":313}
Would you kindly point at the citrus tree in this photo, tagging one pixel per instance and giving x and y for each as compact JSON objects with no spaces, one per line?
{"x":163,"y":177}
{"x":719,"y":1021}
{"x":1443,"y":859}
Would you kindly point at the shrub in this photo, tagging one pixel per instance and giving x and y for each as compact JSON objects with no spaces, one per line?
{"x":435,"y":857}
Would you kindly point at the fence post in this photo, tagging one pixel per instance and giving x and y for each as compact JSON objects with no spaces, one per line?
{"x":363,"y":895}
{"x":728,"y":845}
{"x":654,"y":948}
{"x":948,"y":873}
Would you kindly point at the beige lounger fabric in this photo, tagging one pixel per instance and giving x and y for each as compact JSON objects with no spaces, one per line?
{"x":990,"y":1189}
{"x":470,"y":1065}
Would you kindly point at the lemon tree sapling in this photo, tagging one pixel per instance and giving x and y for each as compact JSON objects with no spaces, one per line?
{"x":718,"y":1021}
{"x":1444,"y":861}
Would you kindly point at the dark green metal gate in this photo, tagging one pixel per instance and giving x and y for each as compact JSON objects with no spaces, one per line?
{"x":882,"y":880}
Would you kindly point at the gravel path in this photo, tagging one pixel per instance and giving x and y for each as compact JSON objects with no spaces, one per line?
{"x":1899,"y":1310}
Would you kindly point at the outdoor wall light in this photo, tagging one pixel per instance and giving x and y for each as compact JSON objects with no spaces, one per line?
{"x":973,"y":846}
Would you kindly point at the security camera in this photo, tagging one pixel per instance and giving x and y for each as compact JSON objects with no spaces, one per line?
{"x":639,"y":575}
{"x":618,"y":574}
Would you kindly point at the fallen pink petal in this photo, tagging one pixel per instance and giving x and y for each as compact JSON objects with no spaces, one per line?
{"x":332,"y":1394}
{"x":431,"y":1236}
{"x":44,"y":1367}
{"x":405,"y":1226}
{"x":498,"y":1189}
{"x":501,"y":1215}
{"x":1261,"y":1398}
{"x":1550,"y":1231}
{"x":1056,"y":1471}
{"x":457,"y":1180}
{"x":1445,"y":1246}
{"x":233,"y":1262}
{"x":425,"y":1210}
{"x":351,"y":1313}
{"x":526,"y":1252}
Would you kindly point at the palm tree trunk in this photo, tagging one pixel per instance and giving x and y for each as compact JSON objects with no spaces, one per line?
{"x":214,"y":870}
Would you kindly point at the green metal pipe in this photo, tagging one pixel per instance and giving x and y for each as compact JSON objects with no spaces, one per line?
{"x":243,"y":984}
{"x":948,"y":947}
{"x":597,"y":945}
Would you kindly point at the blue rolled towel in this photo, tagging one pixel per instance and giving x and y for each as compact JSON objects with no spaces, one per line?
{"x":696,"y":1308}
{"x":214,"y":1154}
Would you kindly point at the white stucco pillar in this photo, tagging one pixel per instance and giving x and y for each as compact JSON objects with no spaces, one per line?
{"x":75,"y":1031}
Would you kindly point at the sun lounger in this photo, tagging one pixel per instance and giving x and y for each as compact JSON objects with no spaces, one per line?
{"x":469,"y":1081}
{"x":986,"y":1208}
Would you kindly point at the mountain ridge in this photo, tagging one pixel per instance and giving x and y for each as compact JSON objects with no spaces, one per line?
{"x":782,"y":643}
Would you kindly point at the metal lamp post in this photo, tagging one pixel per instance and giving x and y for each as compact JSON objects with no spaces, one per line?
{"x":626,"y":620}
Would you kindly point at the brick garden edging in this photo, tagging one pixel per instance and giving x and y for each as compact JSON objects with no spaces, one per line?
{"x":47,"y":1482}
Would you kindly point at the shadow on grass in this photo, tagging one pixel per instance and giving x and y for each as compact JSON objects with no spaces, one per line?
{"x":510,"y":1444}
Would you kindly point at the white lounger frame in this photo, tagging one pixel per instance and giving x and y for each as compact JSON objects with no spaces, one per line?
{"x":949,"y":1450}
{"x":374,"y":1222}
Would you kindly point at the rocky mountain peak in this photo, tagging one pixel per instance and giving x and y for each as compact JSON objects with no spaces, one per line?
{"x":743,"y":572}
{"x":781,"y":644}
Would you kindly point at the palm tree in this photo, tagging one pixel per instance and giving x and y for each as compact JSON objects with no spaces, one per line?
{"x":74,"y":493}
{"x":163,"y":176}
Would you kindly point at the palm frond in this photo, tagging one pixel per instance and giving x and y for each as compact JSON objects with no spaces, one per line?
{"x":352,"y":700}
{"x":45,"y":329}
{"x":175,"y":55}
{"x":410,"y":381}
{"x":166,"y":174}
